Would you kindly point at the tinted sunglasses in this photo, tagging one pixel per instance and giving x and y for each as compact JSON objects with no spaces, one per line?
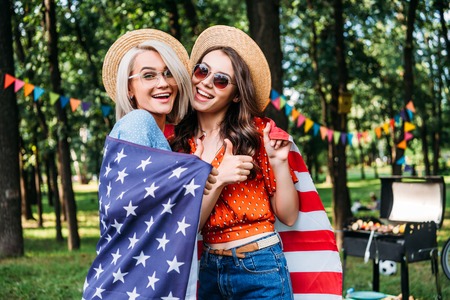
{"x":220,"y":80}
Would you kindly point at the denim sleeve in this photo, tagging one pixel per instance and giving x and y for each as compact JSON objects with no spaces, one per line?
{"x":139,"y":127}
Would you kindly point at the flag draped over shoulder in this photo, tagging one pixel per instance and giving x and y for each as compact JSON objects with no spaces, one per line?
{"x":149,"y":205}
{"x":310,"y":245}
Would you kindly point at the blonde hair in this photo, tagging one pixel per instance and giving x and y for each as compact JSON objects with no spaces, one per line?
{"x":124,"y":105}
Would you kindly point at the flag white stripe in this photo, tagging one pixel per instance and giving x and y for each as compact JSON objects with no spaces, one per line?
{"x":317,"y":297}
{"x":313,"y":261}
{"x":305,"y":182}
{"x":308,"y":221}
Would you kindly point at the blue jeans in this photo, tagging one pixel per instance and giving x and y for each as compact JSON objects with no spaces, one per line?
{"x":262,"y":274}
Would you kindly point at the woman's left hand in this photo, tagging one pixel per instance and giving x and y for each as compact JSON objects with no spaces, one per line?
{"x":277,"y":150}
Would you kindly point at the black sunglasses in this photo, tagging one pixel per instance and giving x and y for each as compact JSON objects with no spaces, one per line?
{"x":220,"y":80}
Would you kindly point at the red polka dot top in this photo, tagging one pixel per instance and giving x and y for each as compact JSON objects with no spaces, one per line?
{"x":243,"y":209}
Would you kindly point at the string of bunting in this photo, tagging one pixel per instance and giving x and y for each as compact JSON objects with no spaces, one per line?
{"x":37,"y":91}
{"x":347,"y":138}
{"x":279,"y":102}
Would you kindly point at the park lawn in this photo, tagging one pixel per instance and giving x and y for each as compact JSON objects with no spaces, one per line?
{"x":49,"y":271}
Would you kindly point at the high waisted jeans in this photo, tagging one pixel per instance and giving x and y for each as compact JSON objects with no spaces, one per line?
{"x":262,"y":274}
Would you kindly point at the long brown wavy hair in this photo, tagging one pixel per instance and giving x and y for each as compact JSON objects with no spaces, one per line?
{"x":238,"y":124}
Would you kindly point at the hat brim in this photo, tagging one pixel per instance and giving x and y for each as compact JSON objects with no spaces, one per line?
{"x":126,"y":42}
{"x":246,"y":47}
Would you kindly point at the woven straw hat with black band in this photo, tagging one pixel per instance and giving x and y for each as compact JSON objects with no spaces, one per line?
{"x":128,"y":41}
{"x":246,"y":47}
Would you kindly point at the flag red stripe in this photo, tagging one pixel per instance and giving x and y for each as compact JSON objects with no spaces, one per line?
{"x":310,"y":201}
{"x":317,"y":283}
{"x":318,"y":240}
{"x":296,"y":162}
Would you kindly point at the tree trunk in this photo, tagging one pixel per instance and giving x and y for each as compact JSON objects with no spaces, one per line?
{"x":63,"y":145}
{"x":11,"y":239}
{"x":408,"y":79}
{"x":174,"y":17}
{"x":37,"y":185}
{"x":264,"y":23}
{"x":191,"y":15}
{"x":337,"y":158}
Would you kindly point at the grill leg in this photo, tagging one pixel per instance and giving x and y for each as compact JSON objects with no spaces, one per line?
{"x":376,"y":275}
{"x":404,"y":278}
{"x":435,"y":271}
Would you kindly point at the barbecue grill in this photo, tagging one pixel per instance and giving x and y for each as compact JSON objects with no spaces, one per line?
{"x":413,"y":205}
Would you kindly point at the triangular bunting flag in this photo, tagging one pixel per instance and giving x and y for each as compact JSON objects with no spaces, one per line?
{"x":400,"y":161}
{"x":403,"y":115}
{"x":106,"y":109}
{"x":274,"y":95}
{"x":402,"y":145}
{"x":295,"y":113}
{"x":365,"y":136}
{"x":350,"y":138}
{"x":397,"y":118}
{"x":410,"y":106}
{"x":288,"y":109}
{"x":74,"y":103}
{"x":301,"y":119}
{"x":85,"y":106}
{"x":308,"y":124}
{"x":336,"y":135}
{"x":64,"y":101}
{"x":18,"y":84}
{"x":409,"y":126}
{"x":37,"y":93}
{"x":378,"y":132}
{"x":392,"y":123}
{"x":343,"y":138}
{"x":8,"y":80}
{"x":410,"y":114}
{"x":316,"y":128}
{"x":53,"y":97}
{"x":323,"y":132}
{"x":28,"y":89}
{"x":330,"y":135}
{"x":282,"y":101}
{"x":386,"y":128}
{"x":276,"y":103}
{"x":408,"y":136}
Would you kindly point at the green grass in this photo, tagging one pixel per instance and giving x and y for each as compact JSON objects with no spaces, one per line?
{"x":49,"y":271}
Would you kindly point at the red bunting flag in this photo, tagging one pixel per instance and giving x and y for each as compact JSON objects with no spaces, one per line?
{"x":8,"y":80}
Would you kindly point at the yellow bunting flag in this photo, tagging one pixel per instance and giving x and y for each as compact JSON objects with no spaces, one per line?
{"x":74,"y":103}
{"x":28,"y":89}
{"x":386,"y":128}
{"x":411,"y":107}
{"x":308,"y":124}
{"x":402,"y":144}
{"x":409,"y":126}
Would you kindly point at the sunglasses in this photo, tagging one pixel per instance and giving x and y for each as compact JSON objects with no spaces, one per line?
{"x":220,"y":80}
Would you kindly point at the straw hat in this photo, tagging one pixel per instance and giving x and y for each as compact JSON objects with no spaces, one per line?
{"x":128,"y":41}
{"x":246,"y":47}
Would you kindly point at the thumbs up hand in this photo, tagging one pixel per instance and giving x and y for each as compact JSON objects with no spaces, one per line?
{"x":233,"y":168}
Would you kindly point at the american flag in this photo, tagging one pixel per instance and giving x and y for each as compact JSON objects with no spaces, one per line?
{"x":149,"y":204}
{"x":309,"y":245}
